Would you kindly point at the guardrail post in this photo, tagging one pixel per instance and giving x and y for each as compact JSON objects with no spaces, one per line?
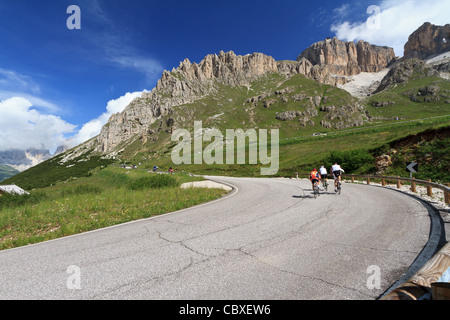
{"x":413,"y":186}
{"x":429,"y":189}
{"x":353,"y":179}
{"x":398,"y":184}
{"x":383,"y":182}
{"x":447,"y":195}
{"x":440,"y":291}
{"x":368,"y":180}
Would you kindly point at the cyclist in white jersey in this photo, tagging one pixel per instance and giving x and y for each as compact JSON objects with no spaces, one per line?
{"x":337,"y":171}
{"x":323,"y":173}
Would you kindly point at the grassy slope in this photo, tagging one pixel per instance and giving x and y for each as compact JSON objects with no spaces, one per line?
{"x":406,"y":109}
{"x":52,"y":171}
{"x":108,"y":197}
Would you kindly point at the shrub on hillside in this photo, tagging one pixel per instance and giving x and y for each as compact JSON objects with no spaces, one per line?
{"x":156,"y":181}
{"x":350,"y":160}
{"x":14,"y":200}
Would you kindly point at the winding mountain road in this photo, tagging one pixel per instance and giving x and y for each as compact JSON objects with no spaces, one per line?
{"x":268,"y":239}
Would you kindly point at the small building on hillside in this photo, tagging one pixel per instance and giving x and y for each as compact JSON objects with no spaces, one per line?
{"x":12,"y":189}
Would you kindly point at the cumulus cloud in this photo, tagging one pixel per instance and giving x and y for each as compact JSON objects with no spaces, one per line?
{"x":15,"y":84}
{"x":23,"y":127}
{"x":391,"y":22}
{"x":93,"y":127}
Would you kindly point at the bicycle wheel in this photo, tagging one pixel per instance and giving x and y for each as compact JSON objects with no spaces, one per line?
{"x":339,"y":188}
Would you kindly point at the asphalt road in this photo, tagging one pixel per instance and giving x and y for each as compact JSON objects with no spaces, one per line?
{"x":269,"y":239}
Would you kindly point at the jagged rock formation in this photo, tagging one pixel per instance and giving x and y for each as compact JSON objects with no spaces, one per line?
{"x":428,"y":40}
{"x":400,"y":73}
{"x":227,"y":68}
{"x":320,"y":73}
{"x":190,"y":82}
{"x":347,"y":58}
{"x":186,"y":84}
{"x":326,"y":63}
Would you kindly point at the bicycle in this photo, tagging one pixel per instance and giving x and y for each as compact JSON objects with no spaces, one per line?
{"x":338,"y":189}
{"x":337,"y":182}
{"x":316,"y":189}
{"x":325,"y":184}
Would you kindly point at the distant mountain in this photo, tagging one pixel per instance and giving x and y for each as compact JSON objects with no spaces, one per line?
{"x":7,"y":172}
{"x":22,"y":160}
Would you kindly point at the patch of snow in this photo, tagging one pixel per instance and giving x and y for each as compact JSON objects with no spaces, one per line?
{"x":216,"y":116}
{"x":364,"y":83}
{"x":443,"y":57}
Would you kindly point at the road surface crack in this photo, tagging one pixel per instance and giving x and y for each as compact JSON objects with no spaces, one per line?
{"x":255,"y":258}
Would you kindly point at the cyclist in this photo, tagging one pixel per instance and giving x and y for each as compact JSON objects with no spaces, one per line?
{"x":323,"y":174}
{"x":337,"y":171}
{"x":314,"y":176}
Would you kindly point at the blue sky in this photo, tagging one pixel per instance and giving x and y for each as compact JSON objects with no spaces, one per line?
{"x":61,"y":80}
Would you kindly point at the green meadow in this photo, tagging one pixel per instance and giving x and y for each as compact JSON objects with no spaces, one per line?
{"x":108,"y":197}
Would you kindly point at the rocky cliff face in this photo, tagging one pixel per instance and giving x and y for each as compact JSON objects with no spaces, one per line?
{"x":428,"y":40}
{"x":347,"y":58}
{"x":183,"y":85}
{"x":320,"y":73}
{"x":326,"y":62}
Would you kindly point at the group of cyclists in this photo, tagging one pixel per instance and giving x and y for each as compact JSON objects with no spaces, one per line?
{"x":322,"y":175}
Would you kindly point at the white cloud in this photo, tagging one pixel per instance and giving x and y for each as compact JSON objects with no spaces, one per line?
{"x":23,"y":127}
{"x":395,"y":21}
{"x":37,"y":102}
{"x":93,"y":127}
{"x":15,"y":84}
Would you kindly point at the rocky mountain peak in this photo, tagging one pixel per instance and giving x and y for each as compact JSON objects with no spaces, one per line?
{"x":226,"y":67}
{"x":183,"y":85}
{"x":428,"y":40}
{"x":347,"y":58}
{"x":326,"y":62}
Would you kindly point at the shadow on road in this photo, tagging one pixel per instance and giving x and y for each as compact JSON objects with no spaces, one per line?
{"x":311,"y":195}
